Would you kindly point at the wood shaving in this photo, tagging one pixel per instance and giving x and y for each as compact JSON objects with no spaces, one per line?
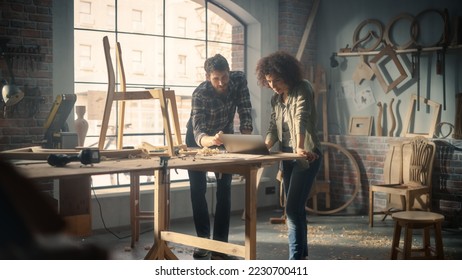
{"x":208,"y":152}
{"x":343,"y":243}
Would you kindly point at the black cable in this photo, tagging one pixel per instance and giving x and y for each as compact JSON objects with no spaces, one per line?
{"x":104,"y":224}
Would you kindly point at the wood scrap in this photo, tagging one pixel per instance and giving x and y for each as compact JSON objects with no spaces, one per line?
{"x":363,"y":71}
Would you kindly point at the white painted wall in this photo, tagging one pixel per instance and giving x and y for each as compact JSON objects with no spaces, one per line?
{"x":114,"y":208}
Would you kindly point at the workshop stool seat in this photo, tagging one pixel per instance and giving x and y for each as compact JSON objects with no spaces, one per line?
{"x":411,"y":220}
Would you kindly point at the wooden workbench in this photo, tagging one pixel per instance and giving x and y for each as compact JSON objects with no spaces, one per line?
{"x":245,"y":165}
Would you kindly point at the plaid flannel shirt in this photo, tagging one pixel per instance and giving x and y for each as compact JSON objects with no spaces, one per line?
{"x":212,"y":112}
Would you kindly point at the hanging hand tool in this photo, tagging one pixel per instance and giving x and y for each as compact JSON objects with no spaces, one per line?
{"x":440,"y":70}
{"x":416,"y":73}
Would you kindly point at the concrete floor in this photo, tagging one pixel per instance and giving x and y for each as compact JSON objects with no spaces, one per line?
{"x":333,"y":237}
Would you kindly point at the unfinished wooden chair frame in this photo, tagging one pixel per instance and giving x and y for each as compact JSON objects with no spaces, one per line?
{"x":157,"y":93}
{"x":167,"y":101}
{"x":414,"y":173}
{"x":436,"y":108}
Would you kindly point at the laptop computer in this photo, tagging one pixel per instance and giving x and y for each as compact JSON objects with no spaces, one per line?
{"x":244,"y":144}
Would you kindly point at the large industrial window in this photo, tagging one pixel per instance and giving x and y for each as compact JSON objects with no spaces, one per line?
{"x":164,"y":44}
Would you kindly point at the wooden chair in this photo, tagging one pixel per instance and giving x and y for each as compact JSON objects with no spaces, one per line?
{"x":410,"y":220}
{"x":407,"y":172}
{"x":169,"y":110}
{"x":160,"y":94}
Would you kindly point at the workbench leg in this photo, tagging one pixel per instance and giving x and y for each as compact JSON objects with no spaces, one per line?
{"x":251,"y":213}
{"x":134,"y":207}
{"x":160,"y":249}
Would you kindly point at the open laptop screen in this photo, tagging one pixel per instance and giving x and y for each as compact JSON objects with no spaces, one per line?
{"x":244,"y":144}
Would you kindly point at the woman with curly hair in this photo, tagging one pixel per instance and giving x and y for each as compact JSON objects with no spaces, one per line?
{"x":293,"y":126}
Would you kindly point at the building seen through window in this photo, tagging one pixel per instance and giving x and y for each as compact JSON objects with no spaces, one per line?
{"x":164,"y":44}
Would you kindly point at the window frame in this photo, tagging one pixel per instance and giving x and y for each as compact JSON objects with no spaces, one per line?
{"x":207,"y":42}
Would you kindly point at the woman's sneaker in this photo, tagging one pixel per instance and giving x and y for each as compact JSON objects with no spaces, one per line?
{"x":201,"y":254}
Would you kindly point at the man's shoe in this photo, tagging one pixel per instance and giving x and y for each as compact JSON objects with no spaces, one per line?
{"x":201,"y":254}
{"x":221,"y":256}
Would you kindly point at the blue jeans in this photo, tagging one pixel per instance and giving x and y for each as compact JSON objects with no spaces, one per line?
{"x":198,"y":182}
{"x":297,"y":186}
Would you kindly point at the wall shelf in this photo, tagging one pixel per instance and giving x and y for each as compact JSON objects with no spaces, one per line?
{"x":413,"y":50}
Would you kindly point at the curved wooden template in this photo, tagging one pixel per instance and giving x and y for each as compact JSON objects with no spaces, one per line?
{"x":414,"y":30}
{"x":357,"y":40}
{"x":393,"y":119}
{"x":378,"y":129}
{"x":357,"y":181}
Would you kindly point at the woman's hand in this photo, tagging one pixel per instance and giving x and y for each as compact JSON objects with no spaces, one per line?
{"x":310,"y":156}
{"x":268,"y":145}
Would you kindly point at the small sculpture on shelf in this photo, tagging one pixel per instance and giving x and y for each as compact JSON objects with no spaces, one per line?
{"x":81,"y":125}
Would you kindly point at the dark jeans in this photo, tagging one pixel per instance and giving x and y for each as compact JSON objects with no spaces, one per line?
{"x":198,"y":182}
{"x":298,"y":182}
{"x":198,"y":186}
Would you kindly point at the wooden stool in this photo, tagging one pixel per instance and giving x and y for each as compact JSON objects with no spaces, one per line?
{"x":417,"y":220}
{"x":136,"y":214}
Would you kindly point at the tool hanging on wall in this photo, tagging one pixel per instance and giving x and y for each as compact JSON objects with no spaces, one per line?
{"x":458,"y":121}
{"x":416,"y":73}
{"x":11,"y":93}
{"x":440,"y":70}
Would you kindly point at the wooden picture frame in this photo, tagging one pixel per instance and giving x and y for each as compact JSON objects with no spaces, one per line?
{"x":410,"y":112}
{"x":375,"y":66}
{"x":360,"y":126}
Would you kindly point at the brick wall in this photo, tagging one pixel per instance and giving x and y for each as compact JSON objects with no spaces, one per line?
{"x":369,"y":153}
{"x":293,"y":16}
{"x":27,"y":25}
{"x":238,"y":62}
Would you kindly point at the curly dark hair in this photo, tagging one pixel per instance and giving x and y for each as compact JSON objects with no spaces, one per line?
{"x":216,"y":63}
{"x":280,"y":64}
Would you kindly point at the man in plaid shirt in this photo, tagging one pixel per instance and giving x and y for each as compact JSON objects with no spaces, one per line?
{"x":214,"y":104}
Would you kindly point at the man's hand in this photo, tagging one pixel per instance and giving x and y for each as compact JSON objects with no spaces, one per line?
{"x":215,"y":140}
